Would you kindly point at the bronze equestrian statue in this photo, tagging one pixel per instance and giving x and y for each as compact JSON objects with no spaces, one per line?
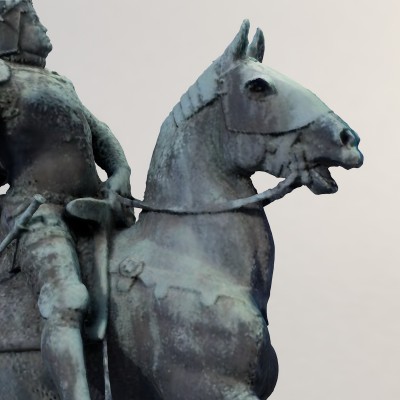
{"x":185,"y":288}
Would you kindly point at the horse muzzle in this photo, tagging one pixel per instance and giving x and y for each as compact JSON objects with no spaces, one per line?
{"x":319,"y":178}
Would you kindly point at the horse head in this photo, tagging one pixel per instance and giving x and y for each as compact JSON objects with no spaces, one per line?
{"x":290,"y":122}
{"x":272,"y":123}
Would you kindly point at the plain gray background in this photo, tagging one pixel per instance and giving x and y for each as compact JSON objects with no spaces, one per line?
{"x":334,"y":311}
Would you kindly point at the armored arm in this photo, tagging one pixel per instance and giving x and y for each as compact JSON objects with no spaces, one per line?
{"x":109,"y":156}
{"x":3,"y":171}
{"x":3,"y":175}
{"x":5,"y":75}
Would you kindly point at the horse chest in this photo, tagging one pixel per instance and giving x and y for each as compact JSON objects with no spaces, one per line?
{"x":245,"y":247}
{"x":235,"y":250}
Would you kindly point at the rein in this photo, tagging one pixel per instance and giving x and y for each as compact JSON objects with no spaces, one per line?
{"x":265,"y":198}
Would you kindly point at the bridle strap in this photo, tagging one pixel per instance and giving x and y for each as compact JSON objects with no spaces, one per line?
{"x":265,"y":198}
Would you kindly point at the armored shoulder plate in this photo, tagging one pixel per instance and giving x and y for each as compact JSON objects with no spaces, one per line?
{"x":5,"y":72}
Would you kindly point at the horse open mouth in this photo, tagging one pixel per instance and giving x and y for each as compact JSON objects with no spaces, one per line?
{"x":321,"y":181}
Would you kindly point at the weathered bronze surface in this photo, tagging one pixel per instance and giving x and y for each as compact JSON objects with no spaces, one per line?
{"x":184,"y":290}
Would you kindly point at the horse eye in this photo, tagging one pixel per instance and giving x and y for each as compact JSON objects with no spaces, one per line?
{"x":259,"y":88}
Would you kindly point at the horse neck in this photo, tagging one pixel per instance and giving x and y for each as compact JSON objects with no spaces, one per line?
{"x":189,"y":168}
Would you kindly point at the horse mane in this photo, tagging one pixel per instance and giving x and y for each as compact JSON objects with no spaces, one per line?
{"x":203,"y":92}
{"x":207,"y":87}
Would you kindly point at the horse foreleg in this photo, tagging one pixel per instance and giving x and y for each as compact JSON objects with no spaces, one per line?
{"x":240,"y":394}
{"x":247,"y":396}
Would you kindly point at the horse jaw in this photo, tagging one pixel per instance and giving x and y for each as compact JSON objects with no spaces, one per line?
{"x":320,"y":181}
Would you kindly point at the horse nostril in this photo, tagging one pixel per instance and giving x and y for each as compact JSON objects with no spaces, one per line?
{"x":347,"y":137}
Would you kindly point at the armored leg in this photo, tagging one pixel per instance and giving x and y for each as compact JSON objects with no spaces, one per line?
{"x":48,"y":258}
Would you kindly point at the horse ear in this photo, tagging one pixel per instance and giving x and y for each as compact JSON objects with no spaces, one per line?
{"x":237,"y":49}
{"x":257,"y":47}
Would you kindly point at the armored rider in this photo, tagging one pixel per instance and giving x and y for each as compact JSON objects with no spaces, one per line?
{"x":50,"y":145}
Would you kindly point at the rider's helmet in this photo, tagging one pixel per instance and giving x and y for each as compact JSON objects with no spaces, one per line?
{"x":10,"y":26}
